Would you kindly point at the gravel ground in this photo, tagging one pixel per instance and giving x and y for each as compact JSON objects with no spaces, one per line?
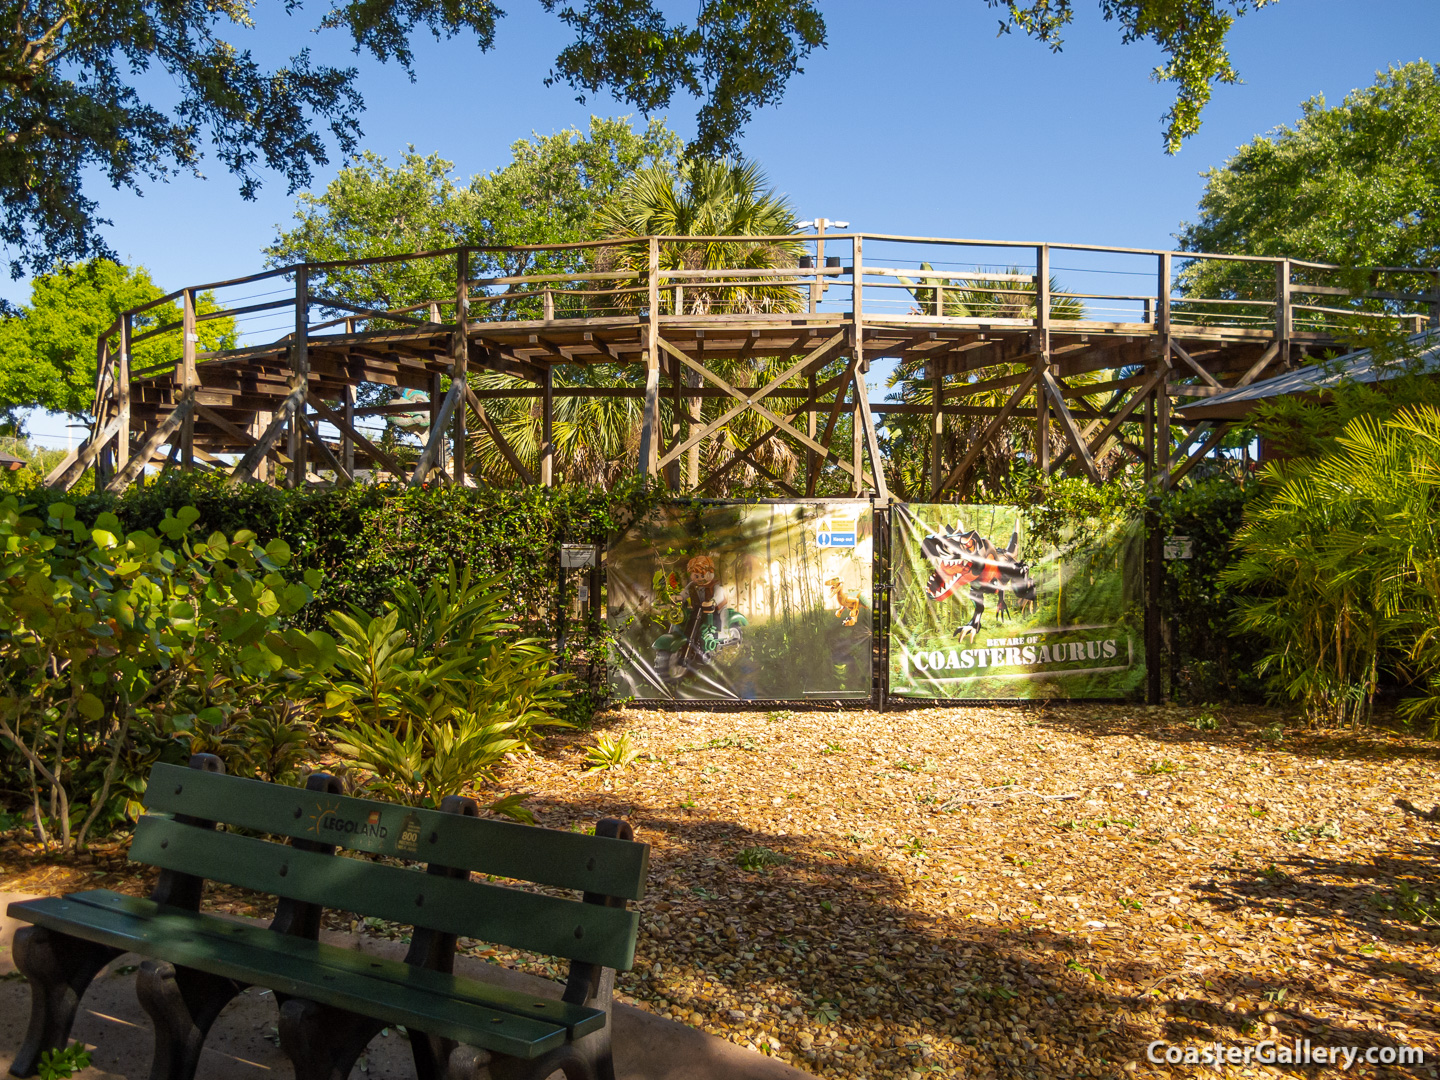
{"x":1006,"y":892}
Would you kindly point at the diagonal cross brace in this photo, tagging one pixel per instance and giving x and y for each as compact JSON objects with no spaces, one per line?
{"x":973,"y":451}
{"x":1069,"y":427}
{"x":752,"y":401}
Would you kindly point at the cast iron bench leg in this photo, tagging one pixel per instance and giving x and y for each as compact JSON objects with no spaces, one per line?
{"x":470,"y":1063}
{"x":182,"y":1003}
{"x":323,"y":1043}
{"x":59,"y":968}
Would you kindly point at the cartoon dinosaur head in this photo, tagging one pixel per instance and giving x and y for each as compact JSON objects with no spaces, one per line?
{"x":955,"y":560}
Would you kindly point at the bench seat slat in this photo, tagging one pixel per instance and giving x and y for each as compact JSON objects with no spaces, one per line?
{"x":525,"y":852}
{"x":578,"y":1020}
{"x":522,"y":920}
{"x":208,"y":944}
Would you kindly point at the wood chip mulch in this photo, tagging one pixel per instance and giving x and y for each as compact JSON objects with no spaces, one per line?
{"x":1015,"y":892}
{"x":1023,"y":892}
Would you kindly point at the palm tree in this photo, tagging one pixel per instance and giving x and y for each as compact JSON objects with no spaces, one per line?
{"x":597,"y":439}
{"x":711,"y":199}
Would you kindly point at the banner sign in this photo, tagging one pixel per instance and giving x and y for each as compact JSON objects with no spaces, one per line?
{"x":743,"y":600}
{"x":974,"y":615}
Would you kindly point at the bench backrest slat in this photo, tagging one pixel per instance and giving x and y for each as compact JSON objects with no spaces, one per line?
{"x":520,"y":920}
{"x":525,"y":852}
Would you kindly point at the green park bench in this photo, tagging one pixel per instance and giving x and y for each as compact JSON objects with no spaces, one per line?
{"x":333,"y":1001}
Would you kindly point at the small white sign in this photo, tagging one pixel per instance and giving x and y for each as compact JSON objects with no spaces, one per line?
{"x":1179,"y":547}
{"x":574,"y":556}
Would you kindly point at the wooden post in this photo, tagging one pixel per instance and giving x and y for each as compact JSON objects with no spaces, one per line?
{"x":692,"y":420}
{"x":857,"y":485}
{"x":299,"y":378}
{"x":650,"y":420}
{"x":460,"y":357}
{"x":859,"y":314}
{"x":122,"y":392}
{"x":810,"y":419}
{"x":104,"y":406}
{"x":347,"y":444}
{"x":188,"y":378}
{"x":547,"y":433}
{"x":1154,"y":581}
{"x":1042,"y":359}
{"x":437,"y":398}
{"x":1284,"y":312}
{"x":1435,"y":302}
{"x":549,"y":302}
{"x":861,"y":364}
{"x":672,"y":471}
{"x":1162,"y":394}
{"x":817,"y":291}
{"x":937,"y":421}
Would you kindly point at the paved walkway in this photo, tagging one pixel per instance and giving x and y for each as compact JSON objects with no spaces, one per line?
{"x":243,"y":1045}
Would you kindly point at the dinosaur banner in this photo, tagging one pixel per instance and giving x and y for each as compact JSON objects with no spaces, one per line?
{"x":765,"y":600}
{"x":976,"y":614}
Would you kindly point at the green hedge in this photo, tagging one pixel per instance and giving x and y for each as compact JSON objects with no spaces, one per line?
{"x":364,"y":539}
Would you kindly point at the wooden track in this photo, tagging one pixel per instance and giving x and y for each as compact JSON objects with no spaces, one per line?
{"x":266,"y":403}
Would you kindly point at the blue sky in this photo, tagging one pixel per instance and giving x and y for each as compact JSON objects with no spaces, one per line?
{"x":917,"y":118}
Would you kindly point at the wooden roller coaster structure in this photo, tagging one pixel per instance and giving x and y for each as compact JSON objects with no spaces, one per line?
{"x":285,"y":410}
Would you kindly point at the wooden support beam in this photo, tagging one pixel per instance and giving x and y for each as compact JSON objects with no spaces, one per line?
{"x":750,"y":403}
{"x":430,"y":455}
{"x":1069,"y":427}
{"x":347,"y":443}
{"x":650,"y":416}
{"x":872,"y":442}
{"x":749,"y":346}
{"x":246,"y":466}
{"x":123,"y":478}
{"x":341,"y":475}
{"x":1098,"y":443}
{"x":547,"y":430}
{"x":1195,"y":366}
{"x":74,"y":464}
{"x":1178,"y":473}
{"x":601,"y":347}
{"x":189,"y":377}
{"x":991,"y":429}
{"x":299,"y":377}
{"x":388,"y":463}
{"x":937,"y":421}
{"x":498,"y":438}
{"x":841,"y":393}
{"x":1260,"y":365}
{"x":122,"y":391}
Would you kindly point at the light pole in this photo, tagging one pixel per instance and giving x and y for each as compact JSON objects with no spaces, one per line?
{"x":819,"y":224}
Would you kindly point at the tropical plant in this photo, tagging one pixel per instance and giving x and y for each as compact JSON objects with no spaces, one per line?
{"x":611,"y":752}
{"x":597,"y":439}
{"x":1342,"y":558}
{"x":425,"y":698}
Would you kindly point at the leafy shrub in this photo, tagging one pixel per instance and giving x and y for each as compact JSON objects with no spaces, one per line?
{"x":111,"y":643}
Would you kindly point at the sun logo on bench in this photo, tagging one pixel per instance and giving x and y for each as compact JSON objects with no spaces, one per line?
{"x":322,"y":811}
